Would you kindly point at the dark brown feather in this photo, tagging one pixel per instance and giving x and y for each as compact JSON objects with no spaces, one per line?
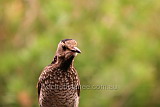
{"x":39,"y":88}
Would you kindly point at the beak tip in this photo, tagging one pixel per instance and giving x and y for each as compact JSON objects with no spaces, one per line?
{"x":77,"y":50}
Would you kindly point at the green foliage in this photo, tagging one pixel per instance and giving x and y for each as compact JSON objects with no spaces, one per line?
{"x":119,"y":39}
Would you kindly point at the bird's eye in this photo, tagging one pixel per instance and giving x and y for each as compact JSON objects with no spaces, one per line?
{"x":64,"y":48}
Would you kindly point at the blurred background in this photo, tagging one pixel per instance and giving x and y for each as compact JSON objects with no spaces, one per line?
{"x":119,"y":40}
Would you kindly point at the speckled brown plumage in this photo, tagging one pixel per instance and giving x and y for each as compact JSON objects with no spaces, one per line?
{"x":58,"y":84}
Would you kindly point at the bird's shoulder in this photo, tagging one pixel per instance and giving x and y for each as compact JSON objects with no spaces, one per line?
{"x":47,"y":71}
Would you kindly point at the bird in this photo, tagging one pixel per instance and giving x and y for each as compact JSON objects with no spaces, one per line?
{"x":58,"y":84}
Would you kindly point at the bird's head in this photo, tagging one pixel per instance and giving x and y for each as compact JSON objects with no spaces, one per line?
{"x":67,"y":48}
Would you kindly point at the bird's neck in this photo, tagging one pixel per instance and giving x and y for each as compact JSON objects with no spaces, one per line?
{"x":65,"y":63}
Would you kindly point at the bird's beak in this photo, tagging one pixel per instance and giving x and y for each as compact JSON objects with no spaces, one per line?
{"x":75,"y":49}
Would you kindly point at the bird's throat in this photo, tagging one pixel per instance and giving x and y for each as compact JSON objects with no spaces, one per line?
{"x":66,"y":63}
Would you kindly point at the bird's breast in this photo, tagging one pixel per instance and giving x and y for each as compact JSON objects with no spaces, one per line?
{"x":61,"y":86}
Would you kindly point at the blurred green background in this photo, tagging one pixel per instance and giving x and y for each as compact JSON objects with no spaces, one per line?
{"x":119,"y":40}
